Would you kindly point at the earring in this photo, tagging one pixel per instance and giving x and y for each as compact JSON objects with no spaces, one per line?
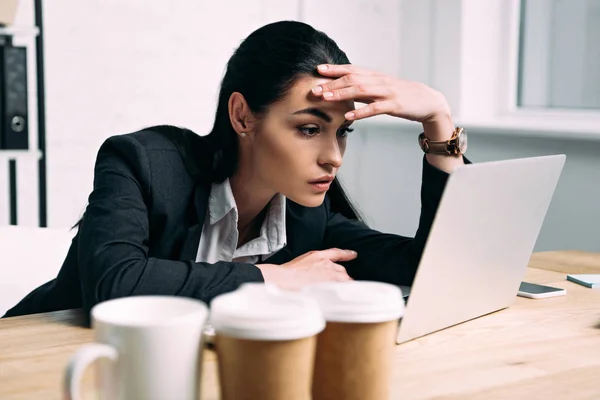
{"x":243,"y":134}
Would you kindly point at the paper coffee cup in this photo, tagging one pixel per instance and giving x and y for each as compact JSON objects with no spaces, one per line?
{"x":354,"y":352}
{"x":265,"y":342}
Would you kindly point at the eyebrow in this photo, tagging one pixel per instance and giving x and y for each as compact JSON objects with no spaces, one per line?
{"x":317,"y":112}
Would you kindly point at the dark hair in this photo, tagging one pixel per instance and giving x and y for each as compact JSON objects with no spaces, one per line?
{"x":263,"y":69}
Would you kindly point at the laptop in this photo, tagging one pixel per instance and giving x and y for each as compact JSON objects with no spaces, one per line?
{"x":479,"y":246}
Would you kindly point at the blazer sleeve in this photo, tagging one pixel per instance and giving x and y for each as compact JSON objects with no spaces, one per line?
{"x":382,"y":256}
{"x":114,"y":234}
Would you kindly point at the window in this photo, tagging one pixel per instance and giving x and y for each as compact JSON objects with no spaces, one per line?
{"x":508,"y":66}
{"x":559,"y":63}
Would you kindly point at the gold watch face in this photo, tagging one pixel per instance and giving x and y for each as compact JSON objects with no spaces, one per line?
{"x":462,"y":142}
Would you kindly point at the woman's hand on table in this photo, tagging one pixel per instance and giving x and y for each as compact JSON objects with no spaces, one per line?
{"x":312,"y":267}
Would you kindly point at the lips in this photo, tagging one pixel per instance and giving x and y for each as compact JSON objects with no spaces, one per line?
{"x":321,"y":185}
{"x":322,"y":180}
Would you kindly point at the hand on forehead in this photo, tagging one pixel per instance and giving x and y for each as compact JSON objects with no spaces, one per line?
{"x":302,"y":96}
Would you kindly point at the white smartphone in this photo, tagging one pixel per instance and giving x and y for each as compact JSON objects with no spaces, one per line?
{"x":535,"y":291}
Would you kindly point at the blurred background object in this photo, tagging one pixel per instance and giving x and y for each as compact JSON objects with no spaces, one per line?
{"x":521,"y":76}
{"x":8,"y":11}
{"x":17,"y":79}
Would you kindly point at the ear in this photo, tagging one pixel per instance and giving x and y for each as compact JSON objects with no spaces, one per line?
{"x":241,"y":117}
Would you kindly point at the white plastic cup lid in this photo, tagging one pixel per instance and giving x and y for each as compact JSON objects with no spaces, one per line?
{"x":264,"y":312}
{"x":358,"y":301}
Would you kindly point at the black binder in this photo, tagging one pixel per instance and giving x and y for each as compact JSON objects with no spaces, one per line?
{"x":14,"y":123}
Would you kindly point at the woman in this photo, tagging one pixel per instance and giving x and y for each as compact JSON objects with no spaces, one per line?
{"x":174,"y":213}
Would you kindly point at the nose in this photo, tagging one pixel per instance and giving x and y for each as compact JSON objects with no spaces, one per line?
{"x":331,"y":153}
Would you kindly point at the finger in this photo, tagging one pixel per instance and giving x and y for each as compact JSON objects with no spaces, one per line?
{"x":343,"y":277}
{"x":350,"y":80}
{"x":375,"y":108}
{"x":362,"y":92}
{"x":338,"y":268}
{"x":337,"y":254}
{"x":340,"y":273}
{"x":333,"y":70}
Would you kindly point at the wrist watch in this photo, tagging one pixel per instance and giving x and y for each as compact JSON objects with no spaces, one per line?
{"x":456,"y":145}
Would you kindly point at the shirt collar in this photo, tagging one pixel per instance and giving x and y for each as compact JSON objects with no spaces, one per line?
{"x":274,"y":226}
{"x":221,"y":202}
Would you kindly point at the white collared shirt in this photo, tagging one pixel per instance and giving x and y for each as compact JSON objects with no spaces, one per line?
{"x":219,"y":238}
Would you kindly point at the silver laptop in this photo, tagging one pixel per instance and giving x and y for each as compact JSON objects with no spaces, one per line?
{"x":480,"y":243}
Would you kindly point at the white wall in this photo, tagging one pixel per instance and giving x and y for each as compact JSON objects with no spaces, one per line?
{"x":114,"y":67}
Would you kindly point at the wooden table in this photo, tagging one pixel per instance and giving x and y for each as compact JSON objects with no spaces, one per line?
{"x":536,"y":349}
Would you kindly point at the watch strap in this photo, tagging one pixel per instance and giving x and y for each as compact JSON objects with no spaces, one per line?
{"x":439,"y":147}
{"x":446,"y":147}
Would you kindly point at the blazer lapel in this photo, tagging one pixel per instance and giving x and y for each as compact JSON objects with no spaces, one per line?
{"x":304,"y":231}
{"x":192,"y":241}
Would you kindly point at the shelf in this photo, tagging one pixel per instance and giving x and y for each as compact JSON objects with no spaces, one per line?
{"x":20,"y":154}
{"x":19,"y":31}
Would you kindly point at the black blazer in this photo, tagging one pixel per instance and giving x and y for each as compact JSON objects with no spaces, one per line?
{"x":141,"y":230}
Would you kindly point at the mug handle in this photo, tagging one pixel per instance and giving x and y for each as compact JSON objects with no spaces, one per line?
{"x":79,"y":362}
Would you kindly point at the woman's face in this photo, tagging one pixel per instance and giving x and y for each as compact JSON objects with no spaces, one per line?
{"x":299,"y":145}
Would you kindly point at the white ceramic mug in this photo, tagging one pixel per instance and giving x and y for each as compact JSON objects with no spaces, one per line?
{"x":148,"y":347}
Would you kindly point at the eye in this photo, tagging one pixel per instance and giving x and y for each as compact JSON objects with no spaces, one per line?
{"x":308,"y":131}
{"x":344,"y":132}
{"x":311,"y":131}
